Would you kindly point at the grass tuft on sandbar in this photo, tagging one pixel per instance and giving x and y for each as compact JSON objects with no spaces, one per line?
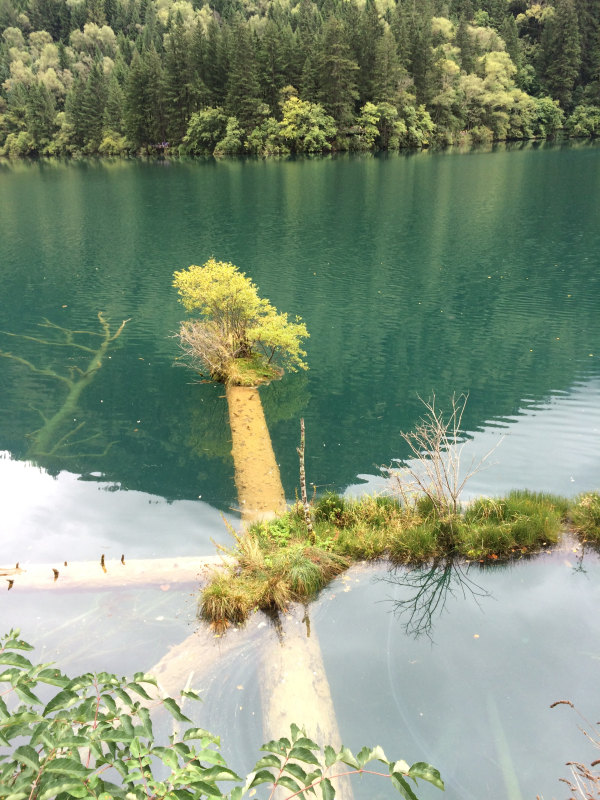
{"x":276,"y":563}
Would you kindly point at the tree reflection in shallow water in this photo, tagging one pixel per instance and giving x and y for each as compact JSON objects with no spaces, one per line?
{"x":426,"y":591}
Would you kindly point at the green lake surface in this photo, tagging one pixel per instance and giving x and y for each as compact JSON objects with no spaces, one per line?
{"x":417,"y":274}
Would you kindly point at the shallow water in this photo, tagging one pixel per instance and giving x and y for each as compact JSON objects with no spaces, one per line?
{"x":434,"y":272}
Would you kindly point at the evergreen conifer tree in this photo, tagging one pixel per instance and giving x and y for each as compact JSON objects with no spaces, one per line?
{"x":561,"y":53}
{"x":337,"y":74}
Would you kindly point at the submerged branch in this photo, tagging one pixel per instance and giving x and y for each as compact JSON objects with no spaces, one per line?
{"x":52,"y":437}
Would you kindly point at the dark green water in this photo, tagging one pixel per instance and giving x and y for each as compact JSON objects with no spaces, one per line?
{"x":435,"y":272}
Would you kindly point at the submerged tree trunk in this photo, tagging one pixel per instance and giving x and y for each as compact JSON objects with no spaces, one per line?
{"x":257,"y":478}
{"x":294,"y":688}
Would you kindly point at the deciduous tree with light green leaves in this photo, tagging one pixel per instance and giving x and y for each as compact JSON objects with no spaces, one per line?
{"x":240,"y":337}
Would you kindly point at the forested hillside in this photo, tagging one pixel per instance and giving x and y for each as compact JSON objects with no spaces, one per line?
{"x":263,"y":77}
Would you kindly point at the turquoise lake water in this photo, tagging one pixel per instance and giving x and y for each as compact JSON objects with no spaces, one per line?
{"x":417,"y":274}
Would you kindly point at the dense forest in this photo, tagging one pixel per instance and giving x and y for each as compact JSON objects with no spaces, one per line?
{"x":292,"y":76}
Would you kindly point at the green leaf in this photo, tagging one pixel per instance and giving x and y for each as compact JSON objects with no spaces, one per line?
{"x":280,"y":746}
{"x":107,"y":679}
{"x":20,"y":718}
{"x":123,"y":696}
{"x":66,"y":766}
{"x":346,"y":756}
{"x":295,"y":731}
{"x":304,"y":742}
{"x":219,"y":773}
{"x":167,"y":756}
{"x":135,"y":748}
{"x":402,"y":786}
{"x":116,"y":735}
{"x":55,"y":786}
{"x":363,"y":756}
{"x":378,"y":754}
{"x":262,"y":776}
{"x":296,"y":771}
{"x":81,"y":682}
{"x":191,"y":695}
{"x":199,"y":733}
{"x":127,"y":725}
{"x":289,"y":783}
{"x":9,"y":675}
{"x":303,"y":754}
{"x":330,"y":756}
{"x":19,"y":795}
{"x":3,"y":708}
{"x":63,"y":699}
{"x":327,"y":789}
{"x":268,"y":761}
{"x":15,"y":660}
{"x":18,"y":644}
{"x":119,"y":765}
{"x":26,"y":695}
{"x":211,"y":756}
{"x":139,"y":689}
{"x":143,"y":677}
{"x":109,"y":702}
{"x":27,"y":755}
{"x":399,"y":766}
{"x":174,"y":710}
{"x":53,"y":676}
{"x":181,"y":749}
{"x":427,"y":773}
{"x":207,"y":788}
{"x":236,"y":794}
{"x":82,"y":791}
{"x":145,"y":722}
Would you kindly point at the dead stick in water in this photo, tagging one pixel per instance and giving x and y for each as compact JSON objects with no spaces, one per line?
{"x":303,"y":494}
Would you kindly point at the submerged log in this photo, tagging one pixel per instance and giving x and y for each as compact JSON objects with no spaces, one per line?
{"x":294,"y":688}
{"x":257,"y":478}
{"x":111,"y":573}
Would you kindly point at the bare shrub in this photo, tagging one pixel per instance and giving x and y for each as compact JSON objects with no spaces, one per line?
{"x":435,"y":469}
{"x":584,"y":783}
{"x":203,"y":348}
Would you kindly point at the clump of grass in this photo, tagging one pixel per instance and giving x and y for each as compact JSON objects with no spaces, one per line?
{"x":520,"y":522}
{"x":415,"y":545}
{"x":362,"y":543}
{"x":225,"y":601}
{"x":277,"y":562}
{"x":330,"y":508}
{"x":424,"y":538}
{"x":274,"y":565}
{"x":585,"y":516}
{"x":379,"y":511}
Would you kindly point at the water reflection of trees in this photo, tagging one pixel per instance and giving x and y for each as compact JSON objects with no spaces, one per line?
{"x":427,"y":590}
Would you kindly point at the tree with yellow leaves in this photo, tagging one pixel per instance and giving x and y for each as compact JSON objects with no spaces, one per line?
{"x":240,"y":337}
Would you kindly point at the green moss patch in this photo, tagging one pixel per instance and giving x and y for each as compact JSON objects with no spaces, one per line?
{"x":253,"y":370}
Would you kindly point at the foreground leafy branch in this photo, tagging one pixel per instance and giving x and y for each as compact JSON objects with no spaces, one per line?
{"x":94,"y":738}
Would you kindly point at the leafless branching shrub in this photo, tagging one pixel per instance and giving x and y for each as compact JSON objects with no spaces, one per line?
{"x":435,"y":468}
{"x":584,"y":783}
{"x":203,"y":349}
